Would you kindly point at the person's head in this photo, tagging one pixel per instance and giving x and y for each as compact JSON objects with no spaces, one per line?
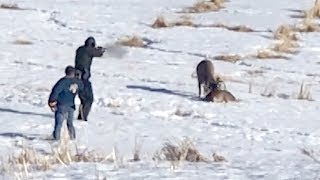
{"x":90,"y":42}
{"x":70,"y":71}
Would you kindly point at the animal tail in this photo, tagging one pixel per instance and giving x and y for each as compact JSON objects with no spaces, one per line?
{"x":194,"y":75}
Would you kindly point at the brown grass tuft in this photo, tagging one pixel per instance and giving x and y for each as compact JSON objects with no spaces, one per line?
{"x":184,"y":21}
{"x":239,"y":28}
{"x":22,"y":42}
{"x":131,"y":41}
{"x":268,"y":54}
{"x":285,"y":46}
{"x":316,"y":9}
{"x":218,"y":158}
{"x":160,"y":22}
{"x":11,"y":6}
{"x":205,"y":6}
{"x":286,"y":32}
{"x":308,"y":26}
{"x":229,"y":58}
{"x":184,"y":151}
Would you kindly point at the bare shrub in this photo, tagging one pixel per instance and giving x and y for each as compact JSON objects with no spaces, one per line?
{"x":229,"y":58}
{"x":11,"y":6}
{"x":132,"y":41}
{"x":160,"y":22}
{"x":305,"y":92}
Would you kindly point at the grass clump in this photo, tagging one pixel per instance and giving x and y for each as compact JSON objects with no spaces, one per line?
{"x":131,"y":41}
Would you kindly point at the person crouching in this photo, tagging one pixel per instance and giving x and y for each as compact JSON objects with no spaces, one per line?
{"x":61,"y":101}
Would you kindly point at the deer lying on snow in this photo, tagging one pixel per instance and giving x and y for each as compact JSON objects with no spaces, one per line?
{"x":218,"y":95}
{"x":205,"y":75}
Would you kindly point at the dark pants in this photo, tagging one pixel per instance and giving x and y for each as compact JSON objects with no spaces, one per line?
{"x":86,"y":98}
{"x":61,"y":114}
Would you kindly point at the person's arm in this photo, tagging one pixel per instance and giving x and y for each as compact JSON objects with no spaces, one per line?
{"x":96,"y":52}
{"x":56,"y":90}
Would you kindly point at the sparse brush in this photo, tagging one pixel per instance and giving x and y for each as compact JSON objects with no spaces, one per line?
{"x":160,"y":22}
{"x":305,"y":92}
{"x":132,"y":41}
{"x":229,"y":58}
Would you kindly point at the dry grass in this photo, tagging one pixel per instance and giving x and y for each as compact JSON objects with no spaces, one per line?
{"x":229,"y":58}
{"x":314,"y":11}
{"x":183,"y":151}
{"x":205,"y":6}
{"x":218,"y":158}
{"x":131,"y":41}
{"x":285,"y":46}
{"x":30,"y":159}
{"x":268,"y":54}
{"x":305,"y":92}
{"x":238,"y":28}
{"x":22,"y":42}
{"x":160,"y":22}
{"x":184,"y":21}
{"x":11,"y":6}
{"x":286,"y":32}
{"x":308,"y":26}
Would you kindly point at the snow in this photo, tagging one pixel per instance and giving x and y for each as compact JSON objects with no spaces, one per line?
{"x":137,"y":96}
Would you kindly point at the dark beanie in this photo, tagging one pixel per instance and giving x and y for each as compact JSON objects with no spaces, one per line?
{"x":69,"y":70}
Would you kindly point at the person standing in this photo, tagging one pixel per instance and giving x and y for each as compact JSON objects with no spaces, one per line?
{"x":83,"y":61}
{"x":61,"y":101}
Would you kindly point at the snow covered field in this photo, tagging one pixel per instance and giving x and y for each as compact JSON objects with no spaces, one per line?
{"x":139,"y":95}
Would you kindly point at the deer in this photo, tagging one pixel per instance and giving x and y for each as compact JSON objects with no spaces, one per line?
{"x":218,"y":95}
{"x":205,"y":75}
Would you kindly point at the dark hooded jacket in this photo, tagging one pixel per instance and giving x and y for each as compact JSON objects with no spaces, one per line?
{"x":85,"y":53}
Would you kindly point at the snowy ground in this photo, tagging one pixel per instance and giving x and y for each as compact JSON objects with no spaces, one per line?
{"x":261,"y":137}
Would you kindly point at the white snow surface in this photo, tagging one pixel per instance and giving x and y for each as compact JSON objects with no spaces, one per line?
{"x":260,"y":137}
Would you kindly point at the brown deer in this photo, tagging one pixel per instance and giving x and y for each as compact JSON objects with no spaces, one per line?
{"x":205,"y":74}
{"x":218,"y":95}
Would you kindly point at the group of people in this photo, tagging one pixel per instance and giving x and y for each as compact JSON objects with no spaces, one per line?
{"x":76,"y":81}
